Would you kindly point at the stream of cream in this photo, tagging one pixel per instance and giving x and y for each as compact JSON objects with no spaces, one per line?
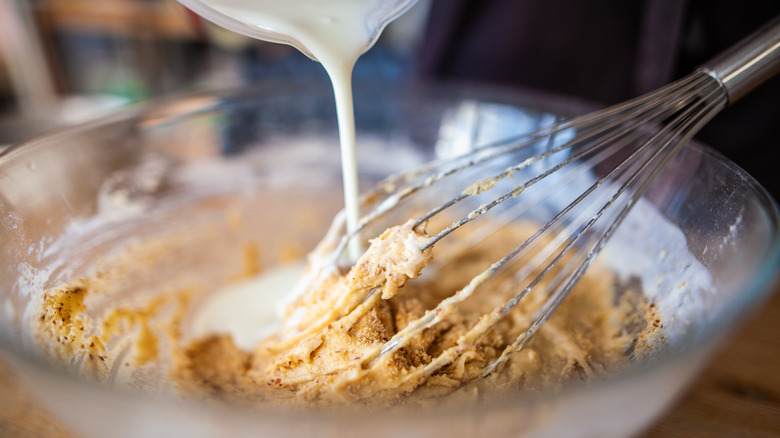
{"x":336,"y":33}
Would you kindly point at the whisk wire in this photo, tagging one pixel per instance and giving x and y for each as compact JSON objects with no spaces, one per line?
{"x":431,"y":317}
{"x":591,"y":140}
{"x":609,"y":117}
{"x":685,"y":126}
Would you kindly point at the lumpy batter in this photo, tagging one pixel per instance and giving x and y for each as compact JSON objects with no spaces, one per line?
{"x":321,"y":355}
{"x":336,"y":322}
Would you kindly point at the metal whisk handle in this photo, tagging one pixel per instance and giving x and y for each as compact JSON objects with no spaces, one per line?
{"x":749,"y":63}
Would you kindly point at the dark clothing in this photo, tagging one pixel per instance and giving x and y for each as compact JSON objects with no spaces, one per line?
{"x":608,"y":51}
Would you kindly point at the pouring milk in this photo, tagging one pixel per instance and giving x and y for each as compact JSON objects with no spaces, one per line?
{"x":334,"y":32}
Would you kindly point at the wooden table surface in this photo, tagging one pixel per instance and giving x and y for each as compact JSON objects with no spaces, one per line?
{"x":738,"y":394}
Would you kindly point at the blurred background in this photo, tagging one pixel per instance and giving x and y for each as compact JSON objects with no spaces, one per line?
{"x":65,"y":61}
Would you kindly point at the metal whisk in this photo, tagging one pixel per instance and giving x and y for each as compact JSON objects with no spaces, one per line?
{"x":624,"y":146}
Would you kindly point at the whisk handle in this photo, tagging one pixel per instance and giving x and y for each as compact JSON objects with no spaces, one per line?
{"x":749,"y":63}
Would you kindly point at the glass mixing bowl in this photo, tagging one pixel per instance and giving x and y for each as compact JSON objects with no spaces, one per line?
{"x":261,"y":165}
